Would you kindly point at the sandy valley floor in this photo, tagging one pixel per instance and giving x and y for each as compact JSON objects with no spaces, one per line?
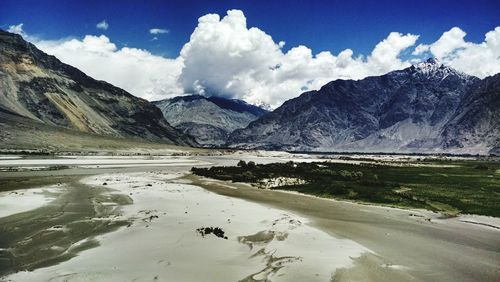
{"x":136,"y":219}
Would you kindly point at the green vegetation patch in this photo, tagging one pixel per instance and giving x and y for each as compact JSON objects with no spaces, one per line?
{"x":450,"y":187}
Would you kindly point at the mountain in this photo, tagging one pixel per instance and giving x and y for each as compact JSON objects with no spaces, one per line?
{"x":427,"y":107}
{"x":476,"y":123}
{"x":209,"y":119}
{"x":38,"y":90}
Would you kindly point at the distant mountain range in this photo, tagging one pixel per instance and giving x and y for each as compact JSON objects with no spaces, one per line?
{"x":39,"y":91}
{"x":427,"y":107}
{"x":209,"y":120}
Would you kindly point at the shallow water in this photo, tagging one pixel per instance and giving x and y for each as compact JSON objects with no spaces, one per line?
{"x":52,"y":231}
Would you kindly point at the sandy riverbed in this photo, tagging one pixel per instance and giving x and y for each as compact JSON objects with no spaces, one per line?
{"x":162,"y":242}
{"x":143,"y":226}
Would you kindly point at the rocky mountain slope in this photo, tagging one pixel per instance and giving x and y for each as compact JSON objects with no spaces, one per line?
{"x":209,"y":119}
{"x":427,"y":107}
{"x":38,"y":88}
{"x":476,"y":123}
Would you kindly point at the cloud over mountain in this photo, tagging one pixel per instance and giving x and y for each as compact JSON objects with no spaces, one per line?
{"x":226,"y":57}
{"x":481,"y":59}
{"x":246,"y":63}
{"x":135,"y":70}
{"x":18,"y":29}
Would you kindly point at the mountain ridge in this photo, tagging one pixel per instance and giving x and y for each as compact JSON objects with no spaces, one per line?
{"x":401,"y":111}
{"x":41,"y":88}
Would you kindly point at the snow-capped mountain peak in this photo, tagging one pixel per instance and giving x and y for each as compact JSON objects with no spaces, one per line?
{"x":433,"y":68}
{"x":430,"y":66}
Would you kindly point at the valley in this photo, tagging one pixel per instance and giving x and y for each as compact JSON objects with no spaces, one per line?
{"x":169,"y":141}
{"x":94,"y":206}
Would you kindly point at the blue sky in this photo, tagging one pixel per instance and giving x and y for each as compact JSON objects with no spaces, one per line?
{"x":325,"y":40}
{"x":321,"y":25}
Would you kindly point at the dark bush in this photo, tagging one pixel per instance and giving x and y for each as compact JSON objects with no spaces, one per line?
{"x":251,"y":164}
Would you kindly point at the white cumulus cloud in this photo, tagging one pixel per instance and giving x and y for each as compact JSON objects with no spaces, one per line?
{"x":385,"y":56}
{"x":225,"y":57}
{"x":137,"y":71}
{"x":479,"y":59}
{"x":102,"y":25}
{"x":420,"y":49}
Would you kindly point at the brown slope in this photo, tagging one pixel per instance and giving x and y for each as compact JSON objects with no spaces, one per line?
{"x":45,"y":90}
